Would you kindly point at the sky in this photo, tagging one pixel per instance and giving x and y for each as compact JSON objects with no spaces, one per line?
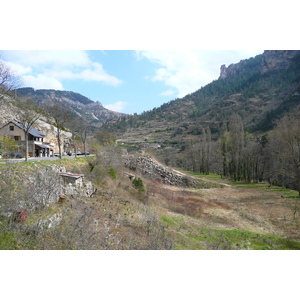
{"x":126,"y":81}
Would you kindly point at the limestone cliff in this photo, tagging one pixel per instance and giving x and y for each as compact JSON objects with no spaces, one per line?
{"x":230,"y":71}
{"x":277,"y":59}
{"x":270,"y":60}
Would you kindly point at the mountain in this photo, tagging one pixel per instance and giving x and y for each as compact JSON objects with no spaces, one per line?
{"x":260,"y":89}
{"x":90,"y":112}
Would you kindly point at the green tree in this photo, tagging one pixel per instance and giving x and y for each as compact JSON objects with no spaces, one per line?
{"x":138,"y":184}
{"x":7,"y":145}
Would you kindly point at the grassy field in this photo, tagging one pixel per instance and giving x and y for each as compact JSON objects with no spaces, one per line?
{"x":237,"y":216}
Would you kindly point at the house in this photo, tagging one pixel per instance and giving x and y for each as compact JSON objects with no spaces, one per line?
{"x":36,"y":140}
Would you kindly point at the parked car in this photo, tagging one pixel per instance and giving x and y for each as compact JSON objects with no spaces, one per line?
{"x":86,"y":153}
{"x":16,"y":155}
{"x":77,"y":153}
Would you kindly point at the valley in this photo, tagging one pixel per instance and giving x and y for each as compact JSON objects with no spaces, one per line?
{"x":218,"y":169}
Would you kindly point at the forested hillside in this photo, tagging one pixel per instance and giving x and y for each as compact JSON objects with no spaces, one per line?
{"x":259,"y":98}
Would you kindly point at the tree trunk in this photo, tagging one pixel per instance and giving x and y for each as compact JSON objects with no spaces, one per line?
{"x":26,"y":146}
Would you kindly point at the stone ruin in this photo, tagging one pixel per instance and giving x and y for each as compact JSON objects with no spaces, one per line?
{"x":75,"y":185}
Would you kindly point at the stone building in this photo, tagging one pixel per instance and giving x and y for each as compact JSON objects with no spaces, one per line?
{"x":36,"y":140}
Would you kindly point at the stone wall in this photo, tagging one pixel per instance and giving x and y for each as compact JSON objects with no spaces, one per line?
{"x":145,"y":165}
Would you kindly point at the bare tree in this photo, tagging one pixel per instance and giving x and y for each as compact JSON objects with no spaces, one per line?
{"x":285,"y":149}
{"x":236,"y":131}
{"x":29,"y":115}
{"x":62,"y":117}
{"x":9,"y":79}
{"x":83,"y":132}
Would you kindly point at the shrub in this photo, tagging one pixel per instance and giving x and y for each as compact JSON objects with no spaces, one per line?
{"x":112,"y":173}
{"x":138,"y":184}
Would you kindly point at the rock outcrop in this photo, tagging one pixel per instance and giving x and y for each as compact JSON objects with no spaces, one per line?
{"x":230,"y":71}
{"x":277,"y":59}
{"x":271,"y":60}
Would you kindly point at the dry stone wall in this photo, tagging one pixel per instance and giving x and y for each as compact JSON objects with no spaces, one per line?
{"x":146,"y":166}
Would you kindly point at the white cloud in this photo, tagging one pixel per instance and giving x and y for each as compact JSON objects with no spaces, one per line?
{"x":94,"y":72}
{"x":97,"y":73}
{"x":118,"y":106}
{"x":46,"y":69}
{"x":42,"y":82}
{"x":188,"y":70}
{"x":18,"y":68}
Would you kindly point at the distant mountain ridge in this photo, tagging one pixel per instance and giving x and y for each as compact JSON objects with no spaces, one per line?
{"x":91,"y":112}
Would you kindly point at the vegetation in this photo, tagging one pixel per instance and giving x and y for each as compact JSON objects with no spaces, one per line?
{"x":7,"y":146}
{"x":138,"y":184}
{"x":121,"y":216}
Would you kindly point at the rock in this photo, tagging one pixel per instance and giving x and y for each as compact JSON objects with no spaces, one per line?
{"x":230,"y":71}
{"x":146,"y":166}
{"x":277,"y":59}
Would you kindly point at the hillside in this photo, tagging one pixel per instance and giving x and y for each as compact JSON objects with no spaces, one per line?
{"x":118,"y":215}
{"x":86,"y":110}
{"x":260,"y":89}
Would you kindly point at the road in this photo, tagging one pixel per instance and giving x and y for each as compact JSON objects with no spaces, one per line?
{"x":37,"y":158}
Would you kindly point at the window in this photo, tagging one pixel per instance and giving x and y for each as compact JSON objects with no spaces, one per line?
{"x":17,"y":138}
{"x":11,"y":128}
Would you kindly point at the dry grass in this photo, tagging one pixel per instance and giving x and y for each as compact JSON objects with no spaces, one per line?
{"x":221,"y":211}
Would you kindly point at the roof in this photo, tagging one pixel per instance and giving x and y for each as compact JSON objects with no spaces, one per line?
{"x":32,"y":130}
{"x":42,"y":146}
{"x":71,"y":175}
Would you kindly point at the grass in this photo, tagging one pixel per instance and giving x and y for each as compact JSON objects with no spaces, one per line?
{"x":209,"y":176}
{"x":8,"y":240}
{"x":215,"y":239}
{"x":263,"y":186}
{"x":189,"y":234}
{"x":169,"y":221}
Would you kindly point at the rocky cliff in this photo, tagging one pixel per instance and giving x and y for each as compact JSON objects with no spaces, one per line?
{"x":277,"y":59}
{"x":230,"y":71}
{"x":270,"y":60}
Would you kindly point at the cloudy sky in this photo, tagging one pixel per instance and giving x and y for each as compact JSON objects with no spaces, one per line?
{"x":123,"y":80}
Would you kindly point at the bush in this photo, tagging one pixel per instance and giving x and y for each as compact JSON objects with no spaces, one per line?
{"x":112,"y":173}
{"x":138,"y":184}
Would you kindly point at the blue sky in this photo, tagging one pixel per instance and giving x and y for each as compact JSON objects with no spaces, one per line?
{"x":123,"y":80}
